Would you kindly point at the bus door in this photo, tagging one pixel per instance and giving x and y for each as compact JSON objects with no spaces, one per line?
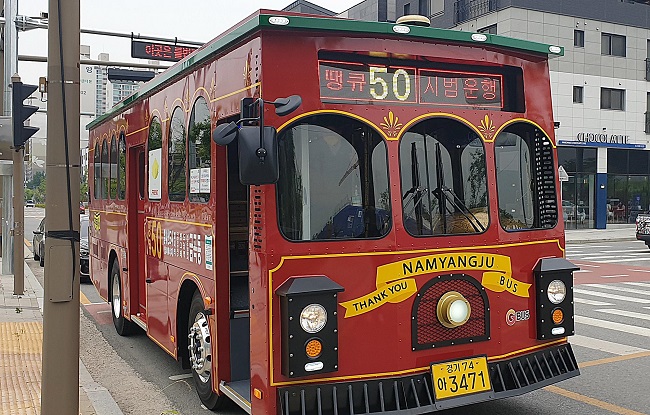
{"x":136,"y":233}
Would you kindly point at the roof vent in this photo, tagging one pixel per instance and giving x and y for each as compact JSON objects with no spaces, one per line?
{"x":414,"y":20}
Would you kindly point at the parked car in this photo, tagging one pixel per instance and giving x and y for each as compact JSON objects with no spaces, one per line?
{"x":30,"y":203}
{"x":38,"y":243}
{"x":84,"y":271}
{"x":643,"y":228}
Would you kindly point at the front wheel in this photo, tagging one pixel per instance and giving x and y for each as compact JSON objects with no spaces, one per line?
{"x":123,"y":326}
{"x":200,"y":354}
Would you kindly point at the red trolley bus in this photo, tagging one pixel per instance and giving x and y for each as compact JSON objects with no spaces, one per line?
{"x":379,"y":233}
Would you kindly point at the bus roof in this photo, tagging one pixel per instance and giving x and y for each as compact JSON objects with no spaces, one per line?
{"x":292,"y":21}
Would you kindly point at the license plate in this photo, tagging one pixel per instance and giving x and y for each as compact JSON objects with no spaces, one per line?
{"x":460,"y":377}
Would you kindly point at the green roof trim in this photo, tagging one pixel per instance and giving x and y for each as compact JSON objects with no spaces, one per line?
{"x":323,"y":24}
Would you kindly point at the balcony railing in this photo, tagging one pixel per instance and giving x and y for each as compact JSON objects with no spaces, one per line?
{"x":647,"y":122}
{"x":469,"y":9}
{"x":647,"y":69}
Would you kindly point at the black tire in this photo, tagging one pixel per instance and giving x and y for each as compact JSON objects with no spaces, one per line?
{"x":41,"y":257}
{"x":36,"y":257}
{"x":203,"y":382}
{"x":123,"y":326}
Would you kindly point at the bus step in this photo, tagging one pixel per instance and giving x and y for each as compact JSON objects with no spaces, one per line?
{"x":137,"y":320}
{"x":239,"y":392}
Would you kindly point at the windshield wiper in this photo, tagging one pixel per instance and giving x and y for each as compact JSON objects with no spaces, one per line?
{"x":445,"y":194}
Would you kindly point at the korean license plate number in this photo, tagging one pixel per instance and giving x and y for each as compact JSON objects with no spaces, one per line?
{"x":460,"y":377}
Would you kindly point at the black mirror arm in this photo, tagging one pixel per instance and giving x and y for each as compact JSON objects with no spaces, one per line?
{"x":261,"y":151}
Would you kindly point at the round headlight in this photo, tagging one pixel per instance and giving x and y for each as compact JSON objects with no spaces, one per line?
{"x":556,"y":291}
{"x":453,"y":310}
{"x":313,"y":318}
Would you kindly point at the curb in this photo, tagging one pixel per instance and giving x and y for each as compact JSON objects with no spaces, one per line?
{"x":100,"y":398}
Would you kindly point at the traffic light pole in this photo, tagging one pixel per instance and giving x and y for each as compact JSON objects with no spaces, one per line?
{"x":19,"y":215}
{"x":60,"y":382}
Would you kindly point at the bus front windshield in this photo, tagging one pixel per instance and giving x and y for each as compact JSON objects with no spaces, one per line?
{"x":333,"y":180}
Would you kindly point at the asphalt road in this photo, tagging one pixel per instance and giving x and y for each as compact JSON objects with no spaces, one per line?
{"x":612,"y":345}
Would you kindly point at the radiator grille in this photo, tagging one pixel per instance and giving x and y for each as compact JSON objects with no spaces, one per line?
{"x":428,"y":332}
{"x":545,"y":181}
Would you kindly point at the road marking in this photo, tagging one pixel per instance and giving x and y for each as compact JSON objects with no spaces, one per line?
{"x":605,"y":346}
{"x":104,"y":311}
{"x":591,"y":302}
{"x":614,"y":276}
{"x":614,"y":288}
{"x":631,"y":314}
{"x":589,"y":265}
{"x":582,"y":270}
{"x":29,"y":244}
{"x":609,"y":261}
{"x":612,"y":296}
{"x":638,"y":284}
{"x":626,"y":328}
{"x":614,"y":359}
{"x":598,"y":246}
{"x":592,"y":401}
{"x":591,"y":257}
{"x":638,"y":270}
{"x":179,"y":377}
{"x":83,"y":299}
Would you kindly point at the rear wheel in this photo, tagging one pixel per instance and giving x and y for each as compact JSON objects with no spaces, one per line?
{"x":200,"y":354}
{"x":123,"y":326}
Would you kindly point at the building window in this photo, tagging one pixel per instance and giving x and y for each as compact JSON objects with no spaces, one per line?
{"x":613,"y":45}
{"x":612,"y":99}
{"x":423,"y":7}
{"x":578,"y":92}
{"x":407,"y":9}
{"x":579,"y":38}
{"x":491,"y":29}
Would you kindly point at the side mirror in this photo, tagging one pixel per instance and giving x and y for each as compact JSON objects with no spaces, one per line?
{"x":285,"y":106}
{"x":224,"y":134}
{"x":252,"y":170}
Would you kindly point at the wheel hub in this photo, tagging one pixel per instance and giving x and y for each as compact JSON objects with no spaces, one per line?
{"x":200,"y":347}
{"x":117,"y":300}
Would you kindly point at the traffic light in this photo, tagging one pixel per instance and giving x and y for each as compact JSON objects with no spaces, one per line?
{"x":21,"y":112}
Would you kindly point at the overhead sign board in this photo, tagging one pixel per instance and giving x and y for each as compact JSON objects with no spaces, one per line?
{"x":159,"y":51}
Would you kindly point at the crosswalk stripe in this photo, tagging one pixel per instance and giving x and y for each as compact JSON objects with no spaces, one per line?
{"x":638,"y":284}
{"x":631,"y":314}
{"x":638,"y":270}
{"x":626,"y":328}
{"x":591,"y":302}
{"x":589,"y":265}
{"x":614,"y":276}
{"x":614,"y":288}
{"x":607,"y":261}
{"x":604,"y":345}
{"x":591,"y":257}
{"x":612,"y":296}
{"x":582,"y":270}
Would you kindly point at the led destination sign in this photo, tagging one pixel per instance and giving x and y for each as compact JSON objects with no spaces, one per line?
{"x":362,"y":83}
{"x":159,"y":51}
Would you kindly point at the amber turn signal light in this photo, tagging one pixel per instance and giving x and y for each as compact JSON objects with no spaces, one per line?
{"x":313,"y":348}
{"x":558,"y":316}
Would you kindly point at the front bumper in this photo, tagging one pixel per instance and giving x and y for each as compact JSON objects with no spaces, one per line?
{"x":413,"y":394}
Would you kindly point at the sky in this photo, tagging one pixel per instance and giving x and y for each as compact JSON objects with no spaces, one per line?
{"x":191,"y":20}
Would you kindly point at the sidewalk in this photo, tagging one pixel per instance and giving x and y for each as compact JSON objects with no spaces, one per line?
{"x":21,"y":345}
{"x":614,"y":233}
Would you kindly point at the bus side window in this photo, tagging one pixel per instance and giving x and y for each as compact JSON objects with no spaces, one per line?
{"x":199,"y":158}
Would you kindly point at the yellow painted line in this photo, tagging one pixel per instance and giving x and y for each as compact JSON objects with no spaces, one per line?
{"x":614,"y":359}
{"x":592,"y":401}
{"x":29,"y":244}
{"x":83,"y":299}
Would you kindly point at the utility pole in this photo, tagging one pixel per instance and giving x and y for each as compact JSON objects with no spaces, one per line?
{"x":60,"y":383}
{"x":10,"y":61}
